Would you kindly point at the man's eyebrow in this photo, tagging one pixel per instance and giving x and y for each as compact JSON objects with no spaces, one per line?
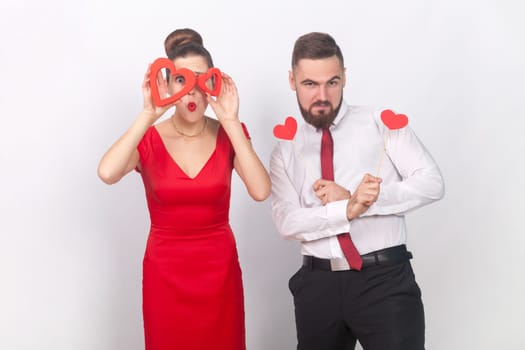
{"x":335,"y":77}
{"x":307,"y":80}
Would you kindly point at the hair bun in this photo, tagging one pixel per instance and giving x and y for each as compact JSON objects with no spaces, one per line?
{"x":180,"y":37}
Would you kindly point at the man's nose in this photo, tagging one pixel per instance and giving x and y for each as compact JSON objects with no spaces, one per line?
{"x":322,"y":93}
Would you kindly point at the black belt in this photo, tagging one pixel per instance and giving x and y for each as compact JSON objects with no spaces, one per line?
{"x":388,"y":256}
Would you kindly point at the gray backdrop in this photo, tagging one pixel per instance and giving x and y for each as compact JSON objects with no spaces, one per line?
{"x":71,"y":247}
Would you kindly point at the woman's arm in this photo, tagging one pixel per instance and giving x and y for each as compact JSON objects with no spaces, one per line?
{"x":246,"y":162}
{"x":122,"y":156}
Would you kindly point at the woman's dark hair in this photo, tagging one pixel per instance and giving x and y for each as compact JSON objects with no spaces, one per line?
{"x":181,"y":36}
{"x":186,"y":42}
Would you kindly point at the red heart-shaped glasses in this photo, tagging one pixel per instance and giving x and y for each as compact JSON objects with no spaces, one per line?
{"x":190,"y":79}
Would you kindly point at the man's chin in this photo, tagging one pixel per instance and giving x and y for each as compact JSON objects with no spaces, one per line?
{"x":319,"y":115}
{"x":319,"y":121}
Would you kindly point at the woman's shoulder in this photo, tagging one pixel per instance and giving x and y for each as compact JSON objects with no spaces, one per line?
{"x":163,"y":128}
{"x":148,"y":139}
{"x":213,"y":124}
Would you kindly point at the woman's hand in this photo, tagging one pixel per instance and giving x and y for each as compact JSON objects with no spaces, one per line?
{"x":226,"y":106}
{"x":149,"y":107}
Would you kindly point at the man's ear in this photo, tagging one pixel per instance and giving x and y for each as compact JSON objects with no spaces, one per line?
{"x":344,"y":77}
{"x":291,"y":80}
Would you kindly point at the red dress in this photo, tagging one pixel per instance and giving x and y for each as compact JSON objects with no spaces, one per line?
{"x":192,"y":284}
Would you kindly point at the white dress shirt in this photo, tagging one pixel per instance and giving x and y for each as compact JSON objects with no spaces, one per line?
{"x":410,"y":176}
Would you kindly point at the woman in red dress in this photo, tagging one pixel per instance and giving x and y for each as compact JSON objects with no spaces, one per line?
{"x":192,"y":284}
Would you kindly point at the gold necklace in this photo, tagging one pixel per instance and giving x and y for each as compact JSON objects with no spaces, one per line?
{"x":189,"y":135}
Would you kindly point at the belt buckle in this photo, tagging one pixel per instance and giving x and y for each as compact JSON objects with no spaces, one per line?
{"x":339,"y":264}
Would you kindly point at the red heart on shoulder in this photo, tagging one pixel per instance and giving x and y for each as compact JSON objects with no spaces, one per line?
{"x":392,"y":120}
{"x":286,"y":131}
{"x":156,"y":66}
{"x":212,"y":73}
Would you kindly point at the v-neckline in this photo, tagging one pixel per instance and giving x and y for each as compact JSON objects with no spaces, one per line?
{"x":177,"y":164}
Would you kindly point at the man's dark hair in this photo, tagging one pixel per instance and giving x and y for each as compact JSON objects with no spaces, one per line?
{"x":314,"y":46}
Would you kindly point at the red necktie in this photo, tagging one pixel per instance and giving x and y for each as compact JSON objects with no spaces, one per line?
{"x":327,"y":172}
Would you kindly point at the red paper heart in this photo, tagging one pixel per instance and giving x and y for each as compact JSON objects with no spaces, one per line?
{"x":156,"y":66}
{"x":214,"y":73}
{"x":286,"y":131}
{"x":393,"y":121}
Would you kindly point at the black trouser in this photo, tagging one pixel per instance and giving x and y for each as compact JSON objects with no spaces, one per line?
{"x":380,"y":306}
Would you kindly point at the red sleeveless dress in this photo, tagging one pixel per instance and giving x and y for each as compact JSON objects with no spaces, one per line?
{"x":192,"y":284}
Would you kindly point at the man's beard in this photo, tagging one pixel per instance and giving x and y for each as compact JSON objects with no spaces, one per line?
{"x":322,"y":119}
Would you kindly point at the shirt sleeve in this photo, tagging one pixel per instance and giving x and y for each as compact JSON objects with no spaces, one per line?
{"x":295,"y":222}
{"x":421,"y":180}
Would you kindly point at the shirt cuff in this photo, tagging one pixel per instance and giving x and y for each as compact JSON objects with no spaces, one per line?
{"x":336,"y":215}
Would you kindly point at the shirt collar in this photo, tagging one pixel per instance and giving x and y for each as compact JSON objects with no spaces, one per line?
{"x":340,"y":115}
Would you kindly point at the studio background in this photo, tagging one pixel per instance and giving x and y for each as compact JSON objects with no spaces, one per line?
{"x":71,"y":247}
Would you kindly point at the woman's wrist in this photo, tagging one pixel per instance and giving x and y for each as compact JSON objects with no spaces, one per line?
{"x":148,"y":116}
{"x":230,"y":122}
